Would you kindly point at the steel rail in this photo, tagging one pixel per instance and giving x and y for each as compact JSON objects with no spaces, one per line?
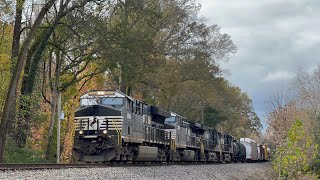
{"x":30,"y":166}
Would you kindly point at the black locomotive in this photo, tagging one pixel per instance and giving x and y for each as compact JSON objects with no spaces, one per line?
{"x":111,"y":126}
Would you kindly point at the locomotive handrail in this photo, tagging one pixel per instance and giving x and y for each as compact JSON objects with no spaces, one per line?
{"x":118,"y":132}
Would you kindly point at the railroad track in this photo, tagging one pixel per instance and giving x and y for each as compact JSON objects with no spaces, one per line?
{"x":20,"y":166}
{"x":6,"y":167}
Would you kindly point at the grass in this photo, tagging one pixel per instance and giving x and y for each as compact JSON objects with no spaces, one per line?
{"x":14,"y":154}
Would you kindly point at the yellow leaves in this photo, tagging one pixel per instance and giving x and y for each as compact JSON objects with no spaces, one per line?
{"x":4,"y":62}
{"x":6,"y":31}
{"x":295,"y":157}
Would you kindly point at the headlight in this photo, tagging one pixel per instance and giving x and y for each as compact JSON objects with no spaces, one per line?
{"x":80,"y":132}
{"x":105,"y":131}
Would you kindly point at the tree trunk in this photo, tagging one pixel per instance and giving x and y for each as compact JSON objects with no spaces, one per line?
{"x":28,"y":84}
{"x":14,"y":54}
{"x":54,"y":105}
{"x":52,"y":121}
{"x":68,"y":139}
{"x":16,"y":76}
{"x":16,"y":32}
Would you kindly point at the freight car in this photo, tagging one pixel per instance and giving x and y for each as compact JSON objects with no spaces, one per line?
{"x":239,"y":152}
{"x":266,"y":153}
{"x":112,"y":126}
{"x":251,"y":149}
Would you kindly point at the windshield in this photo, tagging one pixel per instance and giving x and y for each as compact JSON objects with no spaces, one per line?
{"x":89,"y":101}
{"x":171,"y":120}
{"x":112,"y":101}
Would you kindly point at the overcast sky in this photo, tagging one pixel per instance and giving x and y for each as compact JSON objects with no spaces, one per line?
{"x":274,"y":38}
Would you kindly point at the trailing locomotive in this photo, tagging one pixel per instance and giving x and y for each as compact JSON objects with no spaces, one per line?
{"x":111,"y":126}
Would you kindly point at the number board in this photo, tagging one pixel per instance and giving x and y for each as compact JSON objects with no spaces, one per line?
{"x":101,"y":93}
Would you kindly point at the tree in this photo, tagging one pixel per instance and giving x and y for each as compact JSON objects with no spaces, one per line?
{"x":16,"y":75}
{"x":71,"y":53}
{"x":295,"y":157}
{"x":32,"y":64}
{"x":64,"y":8}
{"x":307,"y":87}
{"x":295,"y":140}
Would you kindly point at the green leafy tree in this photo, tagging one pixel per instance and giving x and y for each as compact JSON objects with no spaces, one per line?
{"x":294,"y":158}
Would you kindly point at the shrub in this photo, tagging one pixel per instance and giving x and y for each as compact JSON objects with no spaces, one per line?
{"x":295,"y":157}
{"x":14,"y":154}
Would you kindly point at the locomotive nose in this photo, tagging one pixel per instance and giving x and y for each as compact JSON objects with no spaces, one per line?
{"x":97,"y":110}
{"x":97,"y":120}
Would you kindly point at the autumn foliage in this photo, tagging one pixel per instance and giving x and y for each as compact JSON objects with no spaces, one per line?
{"x":293,"y":129}
{"x":158,"y":51}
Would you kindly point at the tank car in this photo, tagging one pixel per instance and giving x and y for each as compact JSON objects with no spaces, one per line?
{"x":239,"y":152}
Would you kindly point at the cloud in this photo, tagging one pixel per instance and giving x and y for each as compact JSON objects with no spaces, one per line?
{"x":274,"y":38}
{"x":279,"y":75}
{"x":273,"y":34}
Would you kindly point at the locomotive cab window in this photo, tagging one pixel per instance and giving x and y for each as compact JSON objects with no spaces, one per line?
{"x":113,"y":101}
{"x":171,"y":120}
{"x":89,"y":101}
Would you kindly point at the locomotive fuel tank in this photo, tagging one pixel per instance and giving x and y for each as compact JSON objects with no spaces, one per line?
{"x":146,"y":153}
{"x":188,"y":155}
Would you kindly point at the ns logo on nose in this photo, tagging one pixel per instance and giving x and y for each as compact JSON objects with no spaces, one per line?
{"x":93,"y":122}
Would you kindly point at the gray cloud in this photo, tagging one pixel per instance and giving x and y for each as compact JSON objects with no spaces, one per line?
{"x":274,"y":38}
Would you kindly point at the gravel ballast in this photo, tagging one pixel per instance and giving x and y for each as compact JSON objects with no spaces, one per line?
{"x":182,"y":172}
